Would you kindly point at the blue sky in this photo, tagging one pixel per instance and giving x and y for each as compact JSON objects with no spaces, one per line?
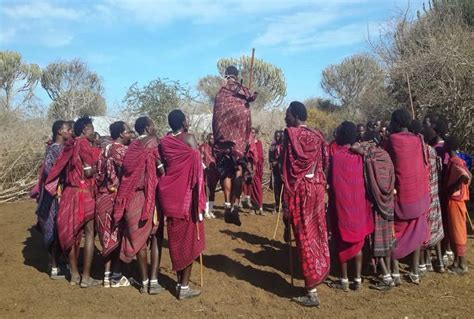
{"x":137,"y":41}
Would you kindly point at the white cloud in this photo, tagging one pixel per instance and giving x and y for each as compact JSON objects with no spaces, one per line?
{"x":40,"y":10}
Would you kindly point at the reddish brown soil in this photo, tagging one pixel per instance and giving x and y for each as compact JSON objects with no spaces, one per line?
{"x":245,"y":275}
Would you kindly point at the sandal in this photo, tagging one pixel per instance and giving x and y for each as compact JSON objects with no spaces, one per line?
{"x":119,"y":282}
{"x":90,"y":282}
{"x":75,"y":280}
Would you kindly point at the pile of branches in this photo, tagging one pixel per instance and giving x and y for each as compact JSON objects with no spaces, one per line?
{"x":21,"y":153}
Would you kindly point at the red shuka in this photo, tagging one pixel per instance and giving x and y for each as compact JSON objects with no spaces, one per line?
{"x":77,"y":204}
{"x":351,"y":211}
{"x":182,"y":197}
{"x":304,"y":150}
{"x":135,"y":201}
{"x":231,"y":117}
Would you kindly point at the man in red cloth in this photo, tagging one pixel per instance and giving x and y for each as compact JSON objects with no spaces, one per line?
{"x":256,"y":160}
{"x":76,"y":210}
{"x":275,"y":157}
{"x":412,"y":199}
{"x":304,"y":162}
{"x":231,"y":128}
{"x":351,"y":211}
{"x":135,"y":205}
{"x":109,"y":172}
{"x":211,"y":174}
{"x":182,"y":199}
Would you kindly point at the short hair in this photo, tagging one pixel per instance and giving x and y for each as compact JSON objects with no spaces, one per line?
{"x":141,"y":124}
{"x":429,"y":135}
{"x":57,"y":125}
{"x":416,"y":127}
{"x":360,"y":125}
{"x":370,"y":124}
{"x":451,"y":143}
{"x":176,"y":119}
{"x":441,"y":127}
{"x":346,"y":133}
{"x":276,"y":132}
{"x":372,"y":136}
{"x":116,"y":128}
{"x":231,"y":71}
{"x":80,"y":124}
{"x":298,"y":110}
{"x":401,"y":118}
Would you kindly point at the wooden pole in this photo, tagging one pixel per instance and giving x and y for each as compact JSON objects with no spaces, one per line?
{"x":290,"y":246}
{"x":409,"y":94}
{"x":251,"y":69}
{"x":279,"y":212}
{"x":200,"y":255}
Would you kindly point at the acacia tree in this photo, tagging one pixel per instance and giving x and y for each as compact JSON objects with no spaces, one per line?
{"x":268,"y":81}
{"x":156,"y":99}
{"x":74,"y":90}
{"x":17,"y":81}
{"x":358,"y":84}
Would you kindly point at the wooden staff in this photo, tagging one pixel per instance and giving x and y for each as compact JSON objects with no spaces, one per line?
{"x":251,"y":69}
{"x":200,"y":255}
{"x":290,"y":246}
{"x":409,"y":94}
{"x":279,"y":212}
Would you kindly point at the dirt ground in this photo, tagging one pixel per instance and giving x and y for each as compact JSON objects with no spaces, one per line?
{"x":245,"y":275}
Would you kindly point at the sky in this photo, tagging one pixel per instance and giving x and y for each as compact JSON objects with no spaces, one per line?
{"x":132,"y":41}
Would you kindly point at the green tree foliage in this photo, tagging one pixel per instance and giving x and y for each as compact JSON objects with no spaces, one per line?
{"x":268,"y":80}
{"x":156,"y":100}
{"x":74,"y":89}
{"x":17,"y":81}
{"x":323,"y":121}
{"x":208,"y":86}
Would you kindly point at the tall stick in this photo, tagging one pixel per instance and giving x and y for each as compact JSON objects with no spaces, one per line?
{"x":251,"y":69}
{"x":409,"y":94}
{"x":200,"y":255}
{"x":290,"y":246}
{"x":279,"y":212}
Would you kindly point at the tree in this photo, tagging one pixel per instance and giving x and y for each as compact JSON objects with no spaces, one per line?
{"x":74,"y":89}
{"x":323,"y":121}
{"x":156,"y":100}
{"x":209,"y":85}
{"x":268,"y":80}
{"x":17,"y":81}
{"x":436,"y":53}
{"x":321,"y":104}
{"x":358,"y":83}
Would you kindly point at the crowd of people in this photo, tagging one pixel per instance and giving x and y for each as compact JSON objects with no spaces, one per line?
{"x":394,"y":191}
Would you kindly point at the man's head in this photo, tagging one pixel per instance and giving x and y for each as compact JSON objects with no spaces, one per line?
{"x":177,"y":120}
{"x":210,"y":139}
{"x":145,"y":126}
{"x":61,"y":129}
{"x":429,"y":135}
{"x":441,"y":127}
{"x":253,"y":132}
{"x":370,"y":126}
{"x":231,"y":72}
{"x":401,"y":119}
{"x":83,"y":127}
{"x":377,"y":125}
{"x":120,"y":130}
{"x":451,"y":144}
{"x":278,"y":136}
{"x":360,"y":129}
{"x":372,"y":136}
{"x":416,"y":127}
{"x":346,"y":133}
{"x":296,"y":114}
